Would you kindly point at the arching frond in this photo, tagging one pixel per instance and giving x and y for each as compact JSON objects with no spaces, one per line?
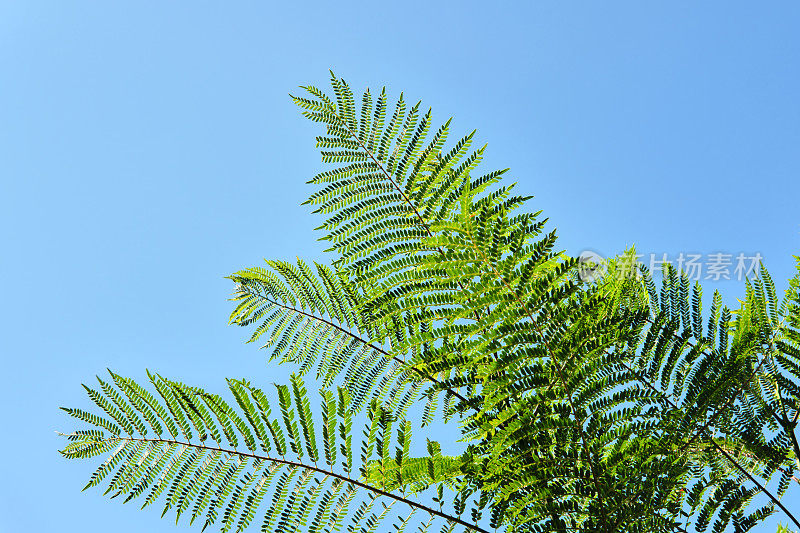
{"x":314,"y":319}
{"x":232,"y":464}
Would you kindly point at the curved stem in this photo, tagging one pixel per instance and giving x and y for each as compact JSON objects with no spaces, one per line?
{"x":313,"y":468}
{"x":358,"y":338}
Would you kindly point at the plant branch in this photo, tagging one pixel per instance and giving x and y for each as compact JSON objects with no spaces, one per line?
{"x":360,"y":339}
{"x":313,"y":468}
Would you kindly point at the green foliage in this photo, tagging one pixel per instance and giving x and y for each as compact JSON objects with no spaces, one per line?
{"x":312,"y":318}
{"x":617,"y":405}
{"x":226,"y":460}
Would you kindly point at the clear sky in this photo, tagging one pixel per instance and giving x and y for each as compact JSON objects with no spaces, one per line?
{"x":147,"y":149}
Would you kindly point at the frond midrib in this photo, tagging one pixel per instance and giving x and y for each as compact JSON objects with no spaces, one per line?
{"x":295,"y":464}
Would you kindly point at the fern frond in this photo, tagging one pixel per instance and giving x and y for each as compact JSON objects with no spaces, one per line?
{"x":229,"y":486}
{"x":315,"y":319}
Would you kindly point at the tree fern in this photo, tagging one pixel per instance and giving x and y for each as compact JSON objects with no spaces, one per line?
{"x":623,"y":404}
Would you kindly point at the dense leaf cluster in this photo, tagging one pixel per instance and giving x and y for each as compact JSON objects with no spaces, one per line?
{"x":620,"y":404}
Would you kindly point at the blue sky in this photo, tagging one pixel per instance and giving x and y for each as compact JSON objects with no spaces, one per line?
{"x":148,"y":149}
